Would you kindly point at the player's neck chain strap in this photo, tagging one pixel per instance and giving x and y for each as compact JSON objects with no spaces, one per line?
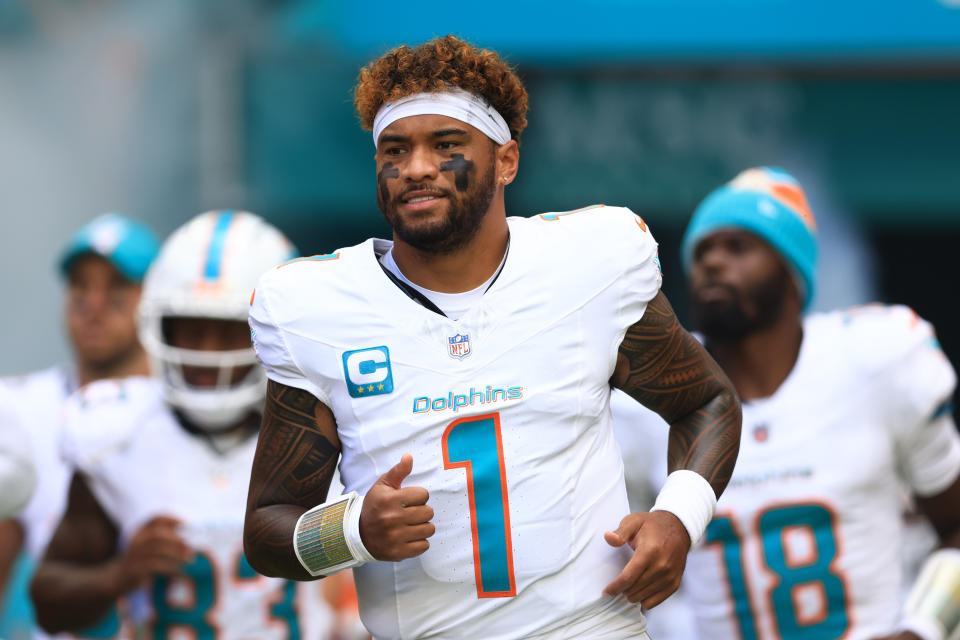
{"x":425,"y":302}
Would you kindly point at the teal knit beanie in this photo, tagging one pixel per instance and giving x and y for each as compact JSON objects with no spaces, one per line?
{"x":770,"y":203}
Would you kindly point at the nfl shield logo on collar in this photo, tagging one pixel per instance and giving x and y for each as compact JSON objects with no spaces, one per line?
{"x":459,"y":345}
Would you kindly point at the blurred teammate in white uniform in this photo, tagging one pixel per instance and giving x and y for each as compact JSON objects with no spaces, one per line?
{"x":162,"y":465}
{"x":840,"y":411}
{"x":103,"y":265}
{"x":465,"y":372}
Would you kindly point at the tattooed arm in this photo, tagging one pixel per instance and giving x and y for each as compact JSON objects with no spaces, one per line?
{"x":292,"y":469}
{"x":665,"y":368}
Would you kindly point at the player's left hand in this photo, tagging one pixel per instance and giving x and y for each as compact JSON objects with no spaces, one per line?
{"x":660,"y":544}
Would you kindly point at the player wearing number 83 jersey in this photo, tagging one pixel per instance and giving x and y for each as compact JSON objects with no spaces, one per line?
{"x":150,"y":544}
{"x":139,"y":462}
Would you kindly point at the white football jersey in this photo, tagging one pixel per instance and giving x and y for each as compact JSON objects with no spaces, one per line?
{"x":39,"y":399}
{"x":140,"y":463}
{"x":807,"y":536}
{"x":506,"y":413}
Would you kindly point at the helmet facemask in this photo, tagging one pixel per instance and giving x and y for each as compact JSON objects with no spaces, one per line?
{"x":209,"y":407}
{"x":206,"y":272}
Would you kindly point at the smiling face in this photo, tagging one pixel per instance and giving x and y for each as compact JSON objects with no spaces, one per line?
{"x":436,"y":180}
{"x":738,"y":285}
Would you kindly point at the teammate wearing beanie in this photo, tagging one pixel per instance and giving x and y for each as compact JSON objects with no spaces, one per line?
{"x":840,"y":410}
{"x":464,"y":371}
{"x":769,"y":203}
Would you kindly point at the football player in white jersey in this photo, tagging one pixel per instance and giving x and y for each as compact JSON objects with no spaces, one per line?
{"x":464,"y":370}
{"x":103,"y":265}
{"x":840,"y":410}
{"x":155,"y":512}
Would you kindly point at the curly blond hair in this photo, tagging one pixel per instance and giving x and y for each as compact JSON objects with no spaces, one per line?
{"x":431,"y":67}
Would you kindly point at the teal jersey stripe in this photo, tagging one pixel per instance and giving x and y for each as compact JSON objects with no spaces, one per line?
{"x":217,"y":244}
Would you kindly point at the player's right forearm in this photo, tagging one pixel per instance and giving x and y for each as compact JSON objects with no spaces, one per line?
{"x":295,"y":460}
{"x":268,"y":541}
{"x":71,"y":597}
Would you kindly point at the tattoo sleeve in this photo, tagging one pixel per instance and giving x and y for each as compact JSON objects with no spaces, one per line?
{"x":296,"y":455}
{"x":664,"y":368}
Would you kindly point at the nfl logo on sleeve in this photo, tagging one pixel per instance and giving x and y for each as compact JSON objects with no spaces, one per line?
{"x":459,"y":345}
{"x":368,"y":372}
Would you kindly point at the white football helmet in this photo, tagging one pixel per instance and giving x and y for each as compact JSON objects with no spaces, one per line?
{"x":208,"y":268}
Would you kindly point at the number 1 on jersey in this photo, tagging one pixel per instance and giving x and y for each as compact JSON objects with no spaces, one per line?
{"x":474,"y":444}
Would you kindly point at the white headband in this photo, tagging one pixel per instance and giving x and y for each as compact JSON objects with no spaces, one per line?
{"x":454,"y":103}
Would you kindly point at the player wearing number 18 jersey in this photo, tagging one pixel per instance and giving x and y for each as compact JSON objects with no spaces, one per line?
{"x":840,"y":411}
{"x":465,"y":372}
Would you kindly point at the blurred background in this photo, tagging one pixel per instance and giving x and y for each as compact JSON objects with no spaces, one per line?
{"x":165,"y":109}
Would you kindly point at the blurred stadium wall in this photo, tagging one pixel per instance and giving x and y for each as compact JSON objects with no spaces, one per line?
{"x":164,"y":109}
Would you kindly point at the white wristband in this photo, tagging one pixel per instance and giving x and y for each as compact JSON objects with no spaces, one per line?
{"x":327,"y":539}
{"x":687,"y":495}
{"x":354,"y":541}
{"x":932,"y":610}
